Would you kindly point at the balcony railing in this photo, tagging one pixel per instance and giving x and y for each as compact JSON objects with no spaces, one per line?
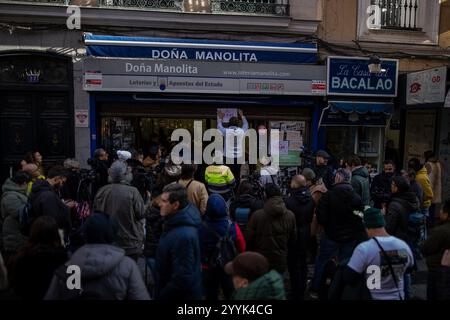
{"x":399,"y":14}
{"x":251,"y":7}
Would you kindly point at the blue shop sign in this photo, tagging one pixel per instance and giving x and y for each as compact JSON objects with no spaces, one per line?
{"x":200,"y":50}
{"x":350,"y":76}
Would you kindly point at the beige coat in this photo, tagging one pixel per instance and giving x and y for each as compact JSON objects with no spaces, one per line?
{"x":197,"y":194}
{"x":434,"y":170}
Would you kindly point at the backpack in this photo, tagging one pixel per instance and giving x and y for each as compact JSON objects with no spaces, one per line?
{"x":27,"y":215}
{"x":416,"y":225}
{"x":224,"y":251}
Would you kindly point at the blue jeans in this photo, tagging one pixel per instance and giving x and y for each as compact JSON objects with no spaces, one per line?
{"x":329,"y":249}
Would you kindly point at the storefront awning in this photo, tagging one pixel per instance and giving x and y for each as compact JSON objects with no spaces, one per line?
{"x":350,"y":113}
{"x":361,"y":107}
{"x":200,"y":50}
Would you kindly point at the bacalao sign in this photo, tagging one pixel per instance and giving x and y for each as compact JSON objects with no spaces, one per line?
{"x":350,"y":76}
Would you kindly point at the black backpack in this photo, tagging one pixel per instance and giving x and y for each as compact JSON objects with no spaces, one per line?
{"x":27,"y":215}
{"x":225,"y":249}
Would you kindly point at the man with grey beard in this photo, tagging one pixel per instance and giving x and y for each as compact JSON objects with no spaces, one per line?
{"x":123,"y":201}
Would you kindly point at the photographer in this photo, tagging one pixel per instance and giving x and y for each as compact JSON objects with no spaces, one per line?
{"x":100,"y":165}
{"x":70,"y":188}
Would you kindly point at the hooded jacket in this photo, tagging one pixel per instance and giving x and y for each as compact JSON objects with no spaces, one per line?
{"x":272,"y":232}
{"x":106,"y":273}
{"x":45,"y":201}
{"x":245,"y":201}
{"x":267,"y":287}
{"x":398,"y":210}
{"x":178,"y":266}
{"x":424,"y":180}
{"x":217,"y":220}
{"x":300,"y":202}
{"x":126,"y":204}
{"x":360,"y":183}
{"x":12,"y":202}
{"x":336,"y":212}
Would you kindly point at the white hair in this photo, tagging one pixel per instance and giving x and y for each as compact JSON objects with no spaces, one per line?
{"x":119,"y":172}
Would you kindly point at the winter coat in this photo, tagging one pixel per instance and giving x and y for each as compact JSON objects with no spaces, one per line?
{"x":360,"y":183}
{"x":217,"y":221}
{"x":197,"y":193}
{"x":423,"y":179}
{"x":12,"y":202}
{"x":45,"y":201}
{"x":326,"y":173}
{"x":436,"y":244}
{"x":153,"y":230}
{"x":272,"y":232}
{"x":245,"y":201}
{"x":32,"y":270}
{"x":434,"y":170}
{"x":106,"y":274}
{"x":178,"y":266}
{"x":336,"y":213}
{"x":126,"y":204}
{"x":398,"y":210}
{"x":267,"y":287}
{"x":301,"y":203}
{"x":380,"y":190}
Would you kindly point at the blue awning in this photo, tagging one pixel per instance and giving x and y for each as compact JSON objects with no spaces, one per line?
{"x":204,"y":50}
{"x":386,"y":108}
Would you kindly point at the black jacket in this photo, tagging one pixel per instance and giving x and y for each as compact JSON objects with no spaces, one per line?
{"x":45,"y":201}
{"x":153,"y":230}
{"x":326,"y":173}
{"x":380,"y":190}
{"x":398,"y":210}
{"x":300,"y":202}
{"x":336,"y":213}
{"x":245,"y":201}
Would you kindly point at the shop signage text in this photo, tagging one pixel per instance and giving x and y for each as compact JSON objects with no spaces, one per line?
{"x":351,"y":76}
{"x":147,"y":75}
{"x":426,"y":86}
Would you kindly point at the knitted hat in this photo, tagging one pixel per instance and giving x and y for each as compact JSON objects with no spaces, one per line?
{"x":308,"y":174}
{"x":248,"y":265}
{"x":373,"y":218}
{"x":100,"y":228}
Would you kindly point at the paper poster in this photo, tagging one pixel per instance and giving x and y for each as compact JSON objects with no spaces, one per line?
{"x":284,"y":148}
{"x":82,"y":118}
{"x":293,"y":135}
{"x":295,"y":145}
{"x":228,"y":114}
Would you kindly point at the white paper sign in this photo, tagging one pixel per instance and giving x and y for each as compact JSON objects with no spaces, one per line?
{"x":228,"y":114}
{"x":426,"y":86}
{"x":81,"y":118}
{"x":293,"y":135}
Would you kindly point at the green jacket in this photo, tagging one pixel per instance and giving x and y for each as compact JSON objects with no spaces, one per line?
{"x":13,"y":200}
{"x":436,"y":244}
{"x":268,"y":287}
{"x":360,"y":183}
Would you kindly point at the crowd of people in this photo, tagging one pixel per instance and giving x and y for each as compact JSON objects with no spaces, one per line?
{"x":145,"y":228}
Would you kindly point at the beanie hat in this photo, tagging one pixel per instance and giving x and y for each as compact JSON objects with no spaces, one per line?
{"x":100,"y":228}
{"x":248,"y":265}
{"x":308,"y":174}
{"x":373,"y":218}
